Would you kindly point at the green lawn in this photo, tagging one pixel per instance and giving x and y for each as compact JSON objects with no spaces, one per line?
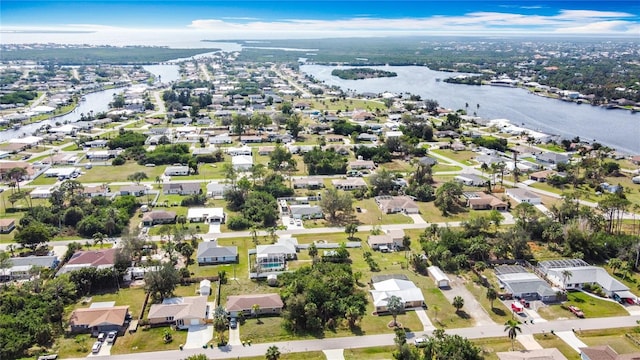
{"x":551,"y":341}
{"x":360,"y":104}
{"x":499,"y":313}
{"x":43,"y":180}
{"x":613,"y":337}
{"x":490,"y":346}
{"x":107,"y":174}
{"x":464,"y":157}
{"x":373,"y":353}
{"x":397,"y":166}
{"x":591,"y":306}
{"x":442,"y":168}
{"x":371,"y":214}
{"x":148,"y":340}
{"x":310,"y":355}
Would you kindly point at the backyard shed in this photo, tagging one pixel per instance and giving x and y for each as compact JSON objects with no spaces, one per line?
{"x":441,"y":279}
{"x":205,"y":287}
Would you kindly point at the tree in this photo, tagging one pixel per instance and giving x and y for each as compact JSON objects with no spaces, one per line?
{"x":281,"y":159}
{"x":382,"y":182}
{"x":313,"y":252}
{"x":458,"y":302}
{"x":16,"y":175}
{"x":273,"y":353}
{"x":442,"y":346}
{"x":512,"y":329}
{"x":566,"y":276}
{"x":615,"y":264}
{"x":395,"y":305}
{"x":137,"y":177}
{"x":255,"y":310}
{"x":351,"y":229}
{"x":160,"y":284}
{"x":293,"y":125}
{"x":34,"y":234}
{"x":492,"y":295}
{"x":99,"y":238}
{"x":337,"y":205}
{"x":258,"y":171}
{"x":448,"y":197}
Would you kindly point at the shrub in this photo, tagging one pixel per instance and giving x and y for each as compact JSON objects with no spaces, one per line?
{"x":238,"y":223}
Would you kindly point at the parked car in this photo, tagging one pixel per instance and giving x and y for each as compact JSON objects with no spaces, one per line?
{"x":233,"y":323}
{"x":420,"y":342}
{"x":299,"y":222}
{"x":291,"y":221}
{"x":576,"y":311}
{"x":96,"y":347}
{"x":101,"y":337}
{"x":111,"y":337}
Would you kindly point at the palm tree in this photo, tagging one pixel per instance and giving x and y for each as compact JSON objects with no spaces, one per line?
{"x":566,"y":276}
{"x":395,"y":305}
{"x":492,"y":294}
{"x":435,"y":308}
{"x":273,"y":353}
{"x":313,"y":252}
{"x":99,"y":238}
{"x":615,"y":264}
{"x":458,"y":303}
{"x":255,"y":309}
{"x":512,"y":328}
{"x":17,"y":174}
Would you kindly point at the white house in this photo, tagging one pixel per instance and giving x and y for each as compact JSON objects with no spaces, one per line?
{"x":176,"y":171}
{"x":217,"y":190}
{"x":306,"y":212}
{"x":575,"y":273}
{"x":406,"y":290}
{"x":209,"y":253}
{"x":207,"y":215}
{"x":523,"y":195}
{"x":274,"y":257}
{"x":236,"y":151}
{"x":220,"y":139}
{"x":242,"y":162}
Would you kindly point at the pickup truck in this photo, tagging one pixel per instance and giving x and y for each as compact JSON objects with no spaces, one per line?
{"x":576,"y":311}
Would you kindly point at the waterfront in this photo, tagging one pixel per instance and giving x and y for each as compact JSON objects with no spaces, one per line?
{"x":615,"y":128}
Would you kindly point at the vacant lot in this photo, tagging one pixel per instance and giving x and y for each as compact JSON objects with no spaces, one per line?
{"x":591,"y":306}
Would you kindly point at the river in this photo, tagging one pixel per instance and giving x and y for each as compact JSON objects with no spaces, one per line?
{"x":616,"y":128}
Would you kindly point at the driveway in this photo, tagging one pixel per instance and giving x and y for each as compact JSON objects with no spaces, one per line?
{"x":528,"y":342}
{"x":571,"y":339}
{"x":105,"y":350}
{"x":334,"y":354}
{"x":286,"y":221}
{"x":197,"y":336}
{"x":234,"y":336}
{"x":471,"y":305}
{"x":214,"y":229}
{"x":417,"y":219}
{"x":427,"y":325}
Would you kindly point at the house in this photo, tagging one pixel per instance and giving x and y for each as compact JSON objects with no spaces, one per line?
{"x":552,"y":158}
{"x":41,"y":193}
{"x":100,"y":259}
{"x":242,"y":162}
{"x":306,"y":212}
{"x":96,"y":143}
{"x":209,"y":253}
{"x":481,"y":201}
{"x":367,"y":137}
{"x":99,"y":319}
{"x":470,"y":180}
{"x":540,"y":354}
{"x":182,"y":188}
{"x":613,"y":189}
{"x":523,"y":195}
{"x":252,"y":139}
{"x":217,"y":190}
{"x":274,"y":257}
{"x":135,"y":190}
{"x":605,"y":352}
{"x":177,"y":171}
{"x":267,"y":304}
{"x":266,"y":150}
{"x":390,"y":240}
{"x":307,"y":183}
{"x":575,"y":273}
{"x":7,"y":225}
{"x":542,"y":176}
{"x":206,"y":215}
{"x":441,"y":279}
{"x":7,"y":165}
{"x":428,"y":161}
{"x":21,"y":266}
{"x":517,"y":281}
{"x":349,"y":184}
{"x":220,"y":139}
{"x":397,"y":204}
{"x":362,"y":164}
{"x":406,"y":290}
{"x":95,"y":191}
{"x":182,"y":312}
{"x":235,"y":151}
{"x":158,"y":217}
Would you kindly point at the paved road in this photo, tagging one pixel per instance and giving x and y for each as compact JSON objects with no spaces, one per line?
{"x":381,"y":340}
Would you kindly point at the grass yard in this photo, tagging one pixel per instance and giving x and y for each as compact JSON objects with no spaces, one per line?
{"x":107,"y":174}
{"x":464,"y":157}
{"x":371,"y":214}
{"x":551,"y":341}
{"x":374,"y":353}
{"x":442,"y":168}
{"x":397,"y":166}
{"x":431,"y":214}
{"x":148,"y":340}
{"x":499,"y":313}
{"x":43,"y":180}
{"x":132,"y":296}
{"x":490,"y":346}
{"x":360,"y":104}
{"x":591,"y":306}
{"x":613,"y":337}
{"x":72,"y":346}
{"x":309,"y":355}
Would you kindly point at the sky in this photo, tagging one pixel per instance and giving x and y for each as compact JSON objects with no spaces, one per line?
{"x":273,"y":19}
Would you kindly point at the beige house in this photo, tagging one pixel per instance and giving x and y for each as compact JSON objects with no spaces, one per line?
{"x":349,"y":184}
{"x":391,"y":240}
{"x":266,"y":303}
{"x":397,"y":204}
{"x":97,"y":320}
{"x":481,"y":201}
{"x":182,"y":312}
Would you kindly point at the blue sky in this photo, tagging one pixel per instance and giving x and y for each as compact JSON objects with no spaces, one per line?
{"x":290,"y":19}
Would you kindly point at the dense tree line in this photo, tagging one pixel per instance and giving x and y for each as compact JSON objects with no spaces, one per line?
{"x":101,"y":55}
{"x":327,"y":162}
{"x":361,"y":73}
{"x":127,"y":139}
{"x":17,"y":97}
{"x":320,"y":297}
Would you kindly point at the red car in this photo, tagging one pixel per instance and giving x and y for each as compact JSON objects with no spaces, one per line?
{"x":576,"y":311}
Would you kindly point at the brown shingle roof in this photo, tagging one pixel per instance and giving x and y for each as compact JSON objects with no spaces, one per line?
{"x":93,"y":257}
{"x":180,"y":308}
{"x":245,"y":302}
{"x":99,"y":316}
